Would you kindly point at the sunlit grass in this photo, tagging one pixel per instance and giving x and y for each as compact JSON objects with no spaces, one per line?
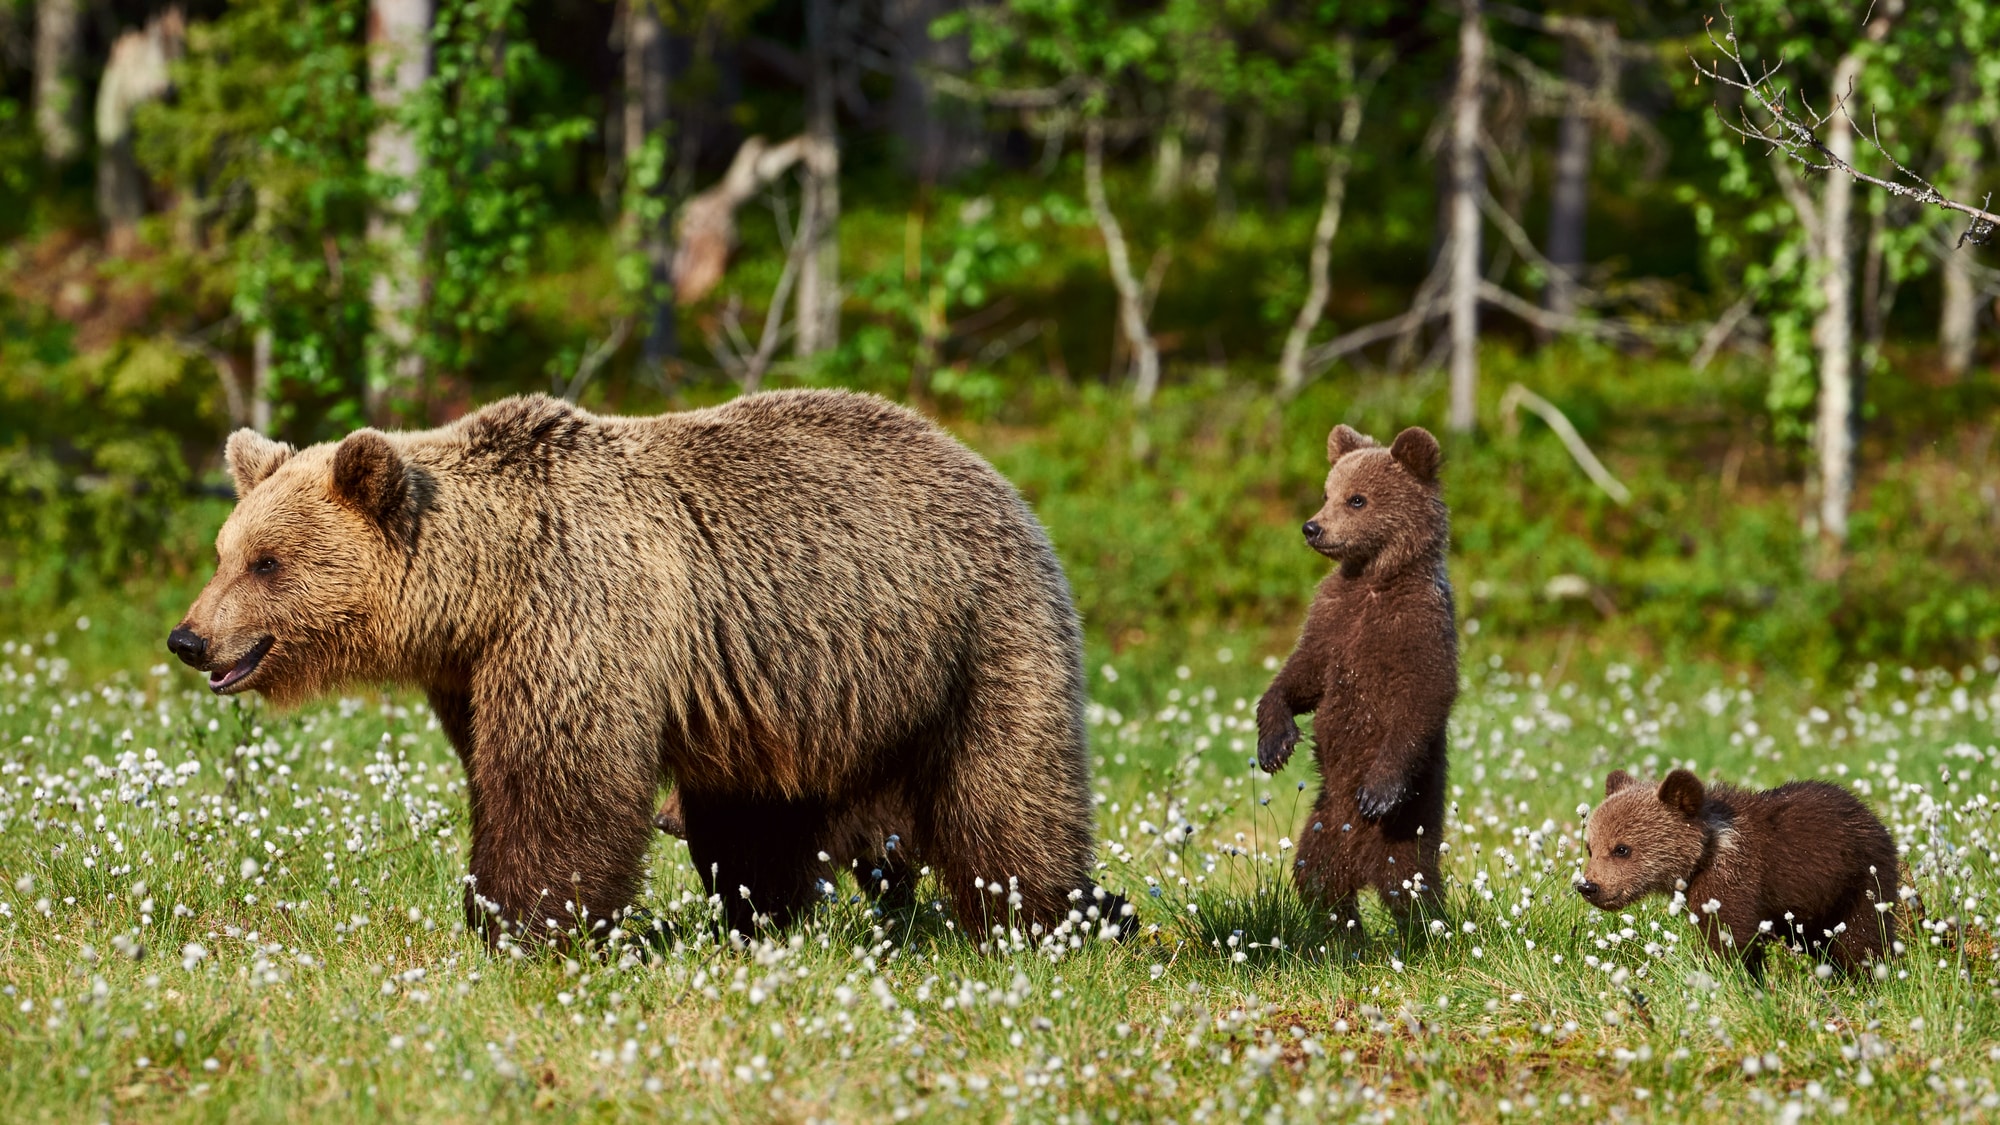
{"x":212,"y":910}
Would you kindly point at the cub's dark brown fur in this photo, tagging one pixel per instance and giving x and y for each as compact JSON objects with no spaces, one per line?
{"x":1377,"y":665}
{"x":792,"y":605}
{"x":1805,"y":863}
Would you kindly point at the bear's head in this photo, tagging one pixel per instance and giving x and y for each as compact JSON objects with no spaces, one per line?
{"x":304,"y":566}
{"x":1643,"y":840}
{"x":1384,"y":507}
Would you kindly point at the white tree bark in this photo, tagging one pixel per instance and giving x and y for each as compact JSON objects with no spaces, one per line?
{"x":818,"y":315}
{"x":138,"y":71}
{"x":1339,"y":159}
{"x":1131,"y":294}
{"x":58,"y":86}
{"x":1463,"y":246}
{"x":399,"y":63}
{"x":1833,"y":330}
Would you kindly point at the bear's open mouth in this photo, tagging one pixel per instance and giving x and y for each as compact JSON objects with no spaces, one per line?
{"x":221,"y":681}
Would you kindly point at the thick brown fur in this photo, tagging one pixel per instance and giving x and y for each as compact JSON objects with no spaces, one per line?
{"x":1377,"y":665}
{"x":1808,"y":858}
{"x":793,"y":605}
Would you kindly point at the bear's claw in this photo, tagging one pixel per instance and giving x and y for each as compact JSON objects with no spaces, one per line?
{"x":1273,"y":751}
{"x":1378,"y":801}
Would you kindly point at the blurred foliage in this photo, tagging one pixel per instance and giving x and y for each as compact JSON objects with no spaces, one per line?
{"x":984,"y":299}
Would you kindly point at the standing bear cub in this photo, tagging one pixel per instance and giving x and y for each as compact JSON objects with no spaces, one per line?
{"x":1377,"y":665}
{"x":1805,"y":863}
{"x":800,"y":606}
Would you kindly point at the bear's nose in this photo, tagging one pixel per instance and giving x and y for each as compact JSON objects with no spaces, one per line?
{"x":188,"y":645}
{"x":1312,"y":529}
{"x":1589,"y":890}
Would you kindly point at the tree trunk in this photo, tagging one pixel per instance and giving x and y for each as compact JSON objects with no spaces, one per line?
{"x":1833,"y":331}
{"x":1339,"y":157}
{"x":1131,"y":294}
{"x":937,"y":141}
{"x":819,"y":271}
{"x":1569,"y":195}
{"x":138,"y":71}
{"x":399,"y":63}
{"x":58,"y":86}
{"x":647,"y":86}
{"x":1958,"y":317}
{"x":1467,"y":182}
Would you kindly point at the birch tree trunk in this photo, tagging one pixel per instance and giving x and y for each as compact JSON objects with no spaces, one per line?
{"x":58,"y":86}
{"x":1833,"y":331}
{"x":1467,"y":178}
{"x":1339,"y":158}
{"x":1958,"y":317}
{"x":647,"y":85}
{"x":1569,"y":195}
{"x":1131,"y":294}
{"x":399,"y":63}
{"x":819,"y":271}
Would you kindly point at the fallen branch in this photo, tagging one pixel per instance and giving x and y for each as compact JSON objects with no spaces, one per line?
{"x":1322,"y":356}
{"x":705,"y":229}
{"x":1518,"y":396}
{"x":1724,"y":327}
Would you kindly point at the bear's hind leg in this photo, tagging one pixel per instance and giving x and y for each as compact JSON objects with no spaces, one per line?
{"x":1867,"y":933}
{"x":1328,"y":867}
{"x":1010,"y":813}
{"x":761,"y":856}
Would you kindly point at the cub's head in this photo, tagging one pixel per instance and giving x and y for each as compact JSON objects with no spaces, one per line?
{"x":303,"y":567}
{"x":1381,"y":504}
{"x":1642,"y":840}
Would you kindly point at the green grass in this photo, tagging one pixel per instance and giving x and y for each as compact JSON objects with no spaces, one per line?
{"x":210,"y":910}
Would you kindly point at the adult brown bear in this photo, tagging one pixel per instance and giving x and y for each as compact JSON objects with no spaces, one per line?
{"x":793,"y":605}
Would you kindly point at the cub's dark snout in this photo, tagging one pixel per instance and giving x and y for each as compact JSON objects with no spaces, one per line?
{"x":1589,"y":890}
{"x":188,"y":645}
{"x":1312,"y":530}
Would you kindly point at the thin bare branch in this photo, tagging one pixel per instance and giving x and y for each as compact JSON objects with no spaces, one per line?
{"x":1795,"y":134}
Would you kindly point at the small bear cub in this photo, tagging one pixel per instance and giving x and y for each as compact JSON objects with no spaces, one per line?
{"x":1805,"y":863}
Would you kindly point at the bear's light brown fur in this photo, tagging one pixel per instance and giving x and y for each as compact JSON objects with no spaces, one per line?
{"x":793,"y":605}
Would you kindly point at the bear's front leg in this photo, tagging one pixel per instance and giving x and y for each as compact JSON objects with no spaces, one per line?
{"x":1277,"y":732}
{"x":564,"y":795}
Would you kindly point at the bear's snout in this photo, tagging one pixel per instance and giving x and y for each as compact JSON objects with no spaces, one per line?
{"x":1312,"y":530}
{"x":1589,"y":890}
{"x":188,"y":645}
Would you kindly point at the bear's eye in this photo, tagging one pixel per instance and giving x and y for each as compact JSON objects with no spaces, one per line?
{"x":1357,"y":501}
{"x":264,"y":565}
{"x":1621,"y":851}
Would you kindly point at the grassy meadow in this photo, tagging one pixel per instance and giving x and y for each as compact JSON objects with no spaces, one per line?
{"x":212,"y":910}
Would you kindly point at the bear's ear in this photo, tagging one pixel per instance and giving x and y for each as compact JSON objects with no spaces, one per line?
{"x":252,"y":458}
{"x":1682,"y":792}
{"x":369,"y":475}
{"x":1416,"y":450}
{"x":1344,"y":440}
{"x":1616,"y":780}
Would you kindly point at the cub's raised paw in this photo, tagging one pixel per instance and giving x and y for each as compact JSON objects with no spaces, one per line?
{"x":1378,"y":800}
{"x":1275,"y":749}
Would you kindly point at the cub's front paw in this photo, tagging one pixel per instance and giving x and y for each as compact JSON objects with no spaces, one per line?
{"x":1378,"y":799}
{"x":1275,"y":749}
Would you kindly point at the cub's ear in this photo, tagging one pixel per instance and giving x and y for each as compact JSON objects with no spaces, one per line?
{"x":1344,"y":440}
{"x":1616,"y":780}
{"x":1682,"y":792}
{"x":369,"y":475}
{"x":252,"y":458}
{"x":1416,"y":450}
